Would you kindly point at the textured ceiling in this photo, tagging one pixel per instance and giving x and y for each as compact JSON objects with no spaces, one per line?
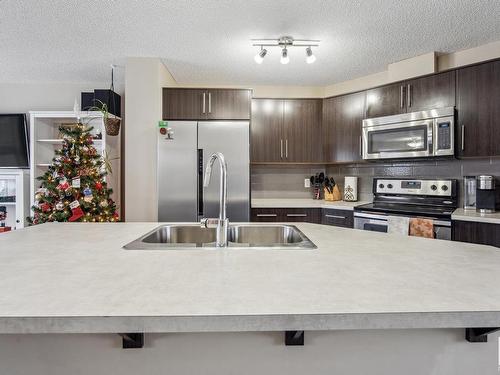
{"x":207,"y":42}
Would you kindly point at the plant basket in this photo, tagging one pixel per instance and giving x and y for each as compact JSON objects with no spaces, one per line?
{"x":112,"y":126}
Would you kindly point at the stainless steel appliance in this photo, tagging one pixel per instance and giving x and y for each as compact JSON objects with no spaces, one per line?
{"x":184,"y":148}
{"x":410,"y":135}
{"x":486,"y":194}
{"x":431,"y":199}
{"x":469,"y":192}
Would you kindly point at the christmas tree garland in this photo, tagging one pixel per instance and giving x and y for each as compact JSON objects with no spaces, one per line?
{"x":73,"y":188}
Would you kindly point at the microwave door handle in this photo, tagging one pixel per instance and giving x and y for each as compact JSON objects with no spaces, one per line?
{"x":430,"y":137}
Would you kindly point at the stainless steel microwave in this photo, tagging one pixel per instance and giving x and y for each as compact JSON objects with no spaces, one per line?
{"x":410,"y":135}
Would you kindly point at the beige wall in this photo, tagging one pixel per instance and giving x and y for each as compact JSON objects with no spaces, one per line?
{"x":144,"y":79}
{"x":54,"y":96}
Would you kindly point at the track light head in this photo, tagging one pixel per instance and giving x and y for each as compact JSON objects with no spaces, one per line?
{"x":259,"y":58}
{"x":284,"y":56}
{"x":310,"y":58}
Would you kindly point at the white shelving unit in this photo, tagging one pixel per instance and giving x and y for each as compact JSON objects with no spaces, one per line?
{"x":44,"y":140}
{"x":14,"y":196}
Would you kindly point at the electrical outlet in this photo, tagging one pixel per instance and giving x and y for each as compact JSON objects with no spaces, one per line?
{"x":307,"y":183}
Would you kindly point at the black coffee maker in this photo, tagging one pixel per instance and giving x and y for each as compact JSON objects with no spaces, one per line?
{"x":487,"y":195}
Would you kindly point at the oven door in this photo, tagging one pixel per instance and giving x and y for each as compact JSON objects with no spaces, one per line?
{"x":402,"y":140}
{"x":370,"y":222}
{"x":378,"y":223}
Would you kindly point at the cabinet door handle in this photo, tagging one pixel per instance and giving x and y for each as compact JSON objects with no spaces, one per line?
{"x":401,"y":96}
{"x":408,"y":94}
{"x":463,"y":137}
{"x":360,"y":146}
{"x":296,"y":215}
{"x":281,"y":148}
{"x":267,"y":215}
{"x":286,"y":148}
{"x":209,"y":102}
{"x":204,"y":106}
{"x":335,"y":216}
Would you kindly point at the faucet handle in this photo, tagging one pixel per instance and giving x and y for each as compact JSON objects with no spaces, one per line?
{"x":209,"y":223}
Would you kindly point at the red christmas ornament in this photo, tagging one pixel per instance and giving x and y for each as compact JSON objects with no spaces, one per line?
{"x":45,"y":207}
{"x":63,"y":185}
{"x":98,"y":185}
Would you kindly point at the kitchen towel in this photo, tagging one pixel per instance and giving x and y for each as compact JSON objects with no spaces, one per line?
{"x":398,"y":225}
{"x":422,"y":227}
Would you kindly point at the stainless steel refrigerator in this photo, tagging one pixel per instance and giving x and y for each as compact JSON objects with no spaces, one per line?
{"x":182,"y":156}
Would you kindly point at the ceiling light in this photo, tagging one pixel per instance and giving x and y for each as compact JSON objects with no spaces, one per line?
{"x":259,"y":58}
{"x":310,"y":57}
{"x":284,"y":56}
{"x":284,"y":42}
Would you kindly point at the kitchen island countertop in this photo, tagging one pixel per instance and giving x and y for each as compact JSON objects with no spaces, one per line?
{"x":75,"y":277}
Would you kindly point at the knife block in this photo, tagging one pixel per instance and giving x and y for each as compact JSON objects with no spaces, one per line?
{"x":334,"y":195}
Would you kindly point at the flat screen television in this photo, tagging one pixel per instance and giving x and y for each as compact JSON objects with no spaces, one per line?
{"x":14,"y":151}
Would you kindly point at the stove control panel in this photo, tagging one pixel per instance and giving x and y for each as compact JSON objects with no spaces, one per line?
{"x":440,"y":188}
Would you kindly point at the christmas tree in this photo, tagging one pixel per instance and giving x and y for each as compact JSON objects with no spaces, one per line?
{"x":73,"y":188}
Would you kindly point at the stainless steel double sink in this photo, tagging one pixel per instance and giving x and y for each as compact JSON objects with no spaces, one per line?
{"x":241,"y":236}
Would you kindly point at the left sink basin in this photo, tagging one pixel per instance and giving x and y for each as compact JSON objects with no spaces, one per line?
{"x":178,"y":236}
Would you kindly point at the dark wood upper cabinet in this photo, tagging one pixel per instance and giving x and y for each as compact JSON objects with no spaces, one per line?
{"x":302,"y":130}
{"x":286,"y":130}
{"x":435,"y":91}
{"x":266,"y":141}
{"x":228,"y":104}
{"x":183,"y":104}
{"x":342,"y":118}
{"x":478,"y":110}
{"x":206,"y":104}
{"x":430,"y":92}
{"x":385,"y":101}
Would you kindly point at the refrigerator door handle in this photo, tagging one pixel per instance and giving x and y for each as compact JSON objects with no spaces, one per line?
{"x":200,"y":182}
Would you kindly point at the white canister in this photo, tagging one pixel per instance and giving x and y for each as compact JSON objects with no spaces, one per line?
{"x":351,"y":189}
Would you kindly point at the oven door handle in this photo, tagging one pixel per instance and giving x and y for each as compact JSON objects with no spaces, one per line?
{"x":369,"y":216}
{"x":440,"y":223}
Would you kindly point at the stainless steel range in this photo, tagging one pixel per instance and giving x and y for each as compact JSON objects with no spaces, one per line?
{"x":423,"y":198}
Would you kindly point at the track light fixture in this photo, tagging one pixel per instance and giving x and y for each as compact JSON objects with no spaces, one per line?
{"x":285,"y":42}
{"x":310,"y":57}
{"x":284,"y":56}
{"x":259,"y":58}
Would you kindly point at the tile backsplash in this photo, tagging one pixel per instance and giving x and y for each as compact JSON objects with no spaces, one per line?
{"x":288,"y":181}
{"x":282,"y":181}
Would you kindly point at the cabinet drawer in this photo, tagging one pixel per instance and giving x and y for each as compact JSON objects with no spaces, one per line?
{"x":305,"y":215}
{"x":339,"y":218}
{"x":266,"y":215}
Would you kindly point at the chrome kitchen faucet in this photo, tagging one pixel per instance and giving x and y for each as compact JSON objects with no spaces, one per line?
{"x":222,"y":223}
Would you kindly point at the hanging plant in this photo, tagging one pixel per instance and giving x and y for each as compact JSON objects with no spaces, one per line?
{"x":112,"y":124}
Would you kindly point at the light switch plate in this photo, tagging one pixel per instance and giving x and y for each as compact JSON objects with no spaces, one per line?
{"x":307,"y":183}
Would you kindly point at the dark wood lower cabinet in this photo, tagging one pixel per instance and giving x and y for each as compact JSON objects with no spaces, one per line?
{"x":305,"y":215}
{"x":475,"y":232}
{"x":339,"y":218}
{"x":327,"y":216}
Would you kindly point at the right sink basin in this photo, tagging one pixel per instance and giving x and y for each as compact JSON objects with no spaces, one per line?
{"x":274,"y":236}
